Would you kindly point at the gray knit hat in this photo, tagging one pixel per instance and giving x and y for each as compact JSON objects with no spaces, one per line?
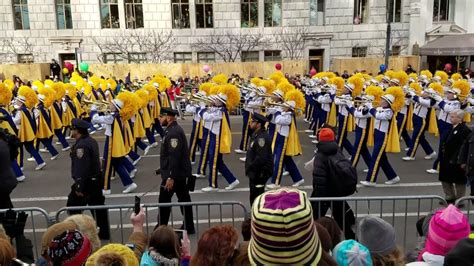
{"x":377,"y":235}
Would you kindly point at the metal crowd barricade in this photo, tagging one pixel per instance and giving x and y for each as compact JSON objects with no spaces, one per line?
{"x":466,"y":204}
{"x":400,"y":211}
{"x":205,"y":215}
{"x":35,"y":226}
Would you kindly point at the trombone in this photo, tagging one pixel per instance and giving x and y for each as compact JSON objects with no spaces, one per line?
{"x":103,"y":106}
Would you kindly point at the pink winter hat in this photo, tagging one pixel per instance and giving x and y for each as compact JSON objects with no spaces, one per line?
{"x":447,"y":227}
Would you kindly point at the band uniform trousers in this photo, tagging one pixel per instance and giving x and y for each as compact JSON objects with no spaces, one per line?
{"x":315,"y":117}
{"x":29,"y":147}
{"x":182,"y":192}
{"x":281,"y":160}
{"x":360,"y":146}
{"x":194,"y":141}
{"x":159,"y":129}
{"x":216,"y":163}
{"x":61,"y":138}
{"x":204,"y":152}
{"x":419,"y":127}
{"x":48,"y":143}
{"x":149,"y":136}
{"x":342,"y":140}
{"x":309,"y":107}
{"x":93,"y":197}
{"x":246,"y":132}
{"x":115,"y":163}
{"x":379,"y":158}
{"x":443,"y":128}
{"x":402,"y":129}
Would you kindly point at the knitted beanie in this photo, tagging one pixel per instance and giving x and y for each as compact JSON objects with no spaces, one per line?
{"x":114,"y":252}
{"x":70,"y":248}
{"x":447,"y":227}
{"x":351,"y":253}
{"x":377,"y":235}
{"x":326,"y":135}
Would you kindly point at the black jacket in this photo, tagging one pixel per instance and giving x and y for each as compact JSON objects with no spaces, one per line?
{"x":321,"y":171}
{"x":449,"y":169}
{"x":7,"y":177}
{"x":85,"y":163}
{"x":466,"y":155}
{"x":174,"y":155}
{"x":259,"y":158}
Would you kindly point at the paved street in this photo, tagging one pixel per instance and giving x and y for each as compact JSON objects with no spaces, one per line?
{"x":49,"y":187}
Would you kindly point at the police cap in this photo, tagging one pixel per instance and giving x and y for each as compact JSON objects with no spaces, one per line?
{"x":256,"y":117}
{"x":80,"y":124}
{"x":168,"y":111}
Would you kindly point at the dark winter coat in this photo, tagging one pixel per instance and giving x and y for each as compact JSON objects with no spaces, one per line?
{"x":450,"y":170}
{"x":466,"y":155}
{"x":321,"y":171}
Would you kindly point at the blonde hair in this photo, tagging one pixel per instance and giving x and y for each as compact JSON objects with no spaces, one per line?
{"x":395,"y":258}
{"x":87,"y":225}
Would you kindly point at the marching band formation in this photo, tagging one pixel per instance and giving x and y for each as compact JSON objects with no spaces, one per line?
{"x":381,"y":111}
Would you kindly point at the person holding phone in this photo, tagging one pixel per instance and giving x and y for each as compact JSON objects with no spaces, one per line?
{"x":175,"y":169}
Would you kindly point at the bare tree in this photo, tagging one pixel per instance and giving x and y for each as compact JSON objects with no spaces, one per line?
{"x":150,"y":46}
{"x":230,"y":45}
{"x":12,"y":47}
{"x":292,"y":41}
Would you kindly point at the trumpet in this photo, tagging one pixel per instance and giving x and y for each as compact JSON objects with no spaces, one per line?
{"x":103,"y":106}
{"x":282,"y":105}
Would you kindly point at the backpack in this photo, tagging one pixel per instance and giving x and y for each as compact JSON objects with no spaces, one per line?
{"x":343,"y":181}
{"x":13,"y":143}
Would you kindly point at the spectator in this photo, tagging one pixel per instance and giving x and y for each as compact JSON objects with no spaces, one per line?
{"x":462,"y":254}
{"x":345,"y":75}
{"x":246,"y":230}
{"x":352,"y":253}
{"x":7,"y":252}
{"x":379,"y":237}
{"x":216,"y":246}
{"x":323,"y":186}
{"x":446,"y":228}
{"x":163,"y":249}
{"x":410,"y":70}
{"x":466,"y":160}
{"x":333,"y":229}
{"x":55,"y":69}
{"x":241,"y":255}
{"x":87,"y":225}
{"x":324,"y":237}
{"x":451,"y":175}
{"x":284,"y":216}
{"x":113,"y":254}
{"x":8,"y":180}
{"x":69,"y":248}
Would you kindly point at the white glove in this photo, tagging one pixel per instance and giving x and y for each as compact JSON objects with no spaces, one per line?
{"x":470,"y":100}
{"x":94,"y":107}
{"x":438,"y":98}
{"x":349,"y":104}
{"x":369,"y":105}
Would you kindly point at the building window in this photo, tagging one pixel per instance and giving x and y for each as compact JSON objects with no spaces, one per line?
{"x":396,"y":49}
{"x":206,"y":57}
{"x":396,"y":9}
{"x":204,"y":14}
{"x":361,"y":11}
{"x":272,"y":13}
{"x":134,"y":14}
{"x":248,"y":13}
{"x":113,"y":58}
{"x":272,"y":56}
{"x":359,"y":51}
{"x":180,"y":9}
{"x":63,"y":14}
{"x":21,"y":14}
{"x":183,"y":58}
{"x":137,"y":58}
{"x":316,"y":12}
{"x":250,"y":56}
{"x":109,"y":14}
{"x":25,"y":59}
{"x":441,"y":10}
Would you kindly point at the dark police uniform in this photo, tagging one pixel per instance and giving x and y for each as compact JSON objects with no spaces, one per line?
{"x":175,"y":164}
{"x":88,"y":180}
{"x":259,"y":162}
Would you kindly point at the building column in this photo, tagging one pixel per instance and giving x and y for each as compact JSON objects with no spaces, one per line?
{"x":419,"y":17}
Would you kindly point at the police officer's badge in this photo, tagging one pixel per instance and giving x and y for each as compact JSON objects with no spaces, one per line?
{"x":79,"y":153}
{"x":261,"y":142}
{"x":174,"y":143}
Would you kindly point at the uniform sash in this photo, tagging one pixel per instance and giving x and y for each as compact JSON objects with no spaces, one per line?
{"x":467,"y":116}
{"x":78,"y":107}
{"x":332,"y":116}
{"x":225,"y":142}
{"x":27,"y":126}
{"x":393,"y":141}
{"x":8,"y":123}
{"x":138,"y":126}
{"x":350,"y":123}
{"x":56,"y":114}
{"x":118,"y":143}
{"x":146,"y":118}
{"x":44,"y":125}
{"x":129,"y":137}
{"x":293,"y":147}
{"x":370,"y":132}
{"x":433,"y":123}
{"x":409,"y":118}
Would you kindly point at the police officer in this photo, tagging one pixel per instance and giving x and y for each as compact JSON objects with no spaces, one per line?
{"x":88,"y":179}
{"x":175,"y":169}
{"x":259,"y":162}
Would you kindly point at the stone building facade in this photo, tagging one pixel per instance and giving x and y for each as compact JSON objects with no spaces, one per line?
{"x":114,"y":31}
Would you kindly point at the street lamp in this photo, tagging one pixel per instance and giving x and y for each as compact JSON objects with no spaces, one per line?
{"x":389,"y":17}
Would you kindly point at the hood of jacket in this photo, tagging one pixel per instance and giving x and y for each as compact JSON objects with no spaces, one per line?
{"x":328,"y":148}
{"x":153,"y":258}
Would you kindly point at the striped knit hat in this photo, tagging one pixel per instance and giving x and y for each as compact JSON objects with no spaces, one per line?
{"x":283,"y":230}
{"x":447,"y":227}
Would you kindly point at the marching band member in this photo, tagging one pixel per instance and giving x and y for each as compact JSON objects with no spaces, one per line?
{"x":194,"y":108}
{"x":315,"y":106}
{"x":308,"y":88}
{"x":6,"y":122}
{"x":324,"y":97}
{"x":26,"y":124}
{"x":68,"y":107}
{"x":353,"y":88}
{"x":424,"y":118}
{"x":248,"y":96}
{"x":364,"y":124}
{"x":386,"y":138}
{"x":44,"y":132}
{"x":406,"y":113}
{"x":115,"y":148}
{"x":454,"y":95}
{"x":153,"y":113}
{"x":323,"y":81}
{"x":220,"y":139}
{"x":142,"y":121}
{"x":287,"y":144}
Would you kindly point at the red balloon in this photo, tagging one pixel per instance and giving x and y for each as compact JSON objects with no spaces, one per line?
{"x":313,"y":71}
{"x":69,"y":66}
{"x":278,"y":66}
{"x":448,"y":67}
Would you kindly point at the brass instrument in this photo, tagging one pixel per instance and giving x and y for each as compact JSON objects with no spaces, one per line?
{"x":282,"y":105}
{"x":103,"y":106}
